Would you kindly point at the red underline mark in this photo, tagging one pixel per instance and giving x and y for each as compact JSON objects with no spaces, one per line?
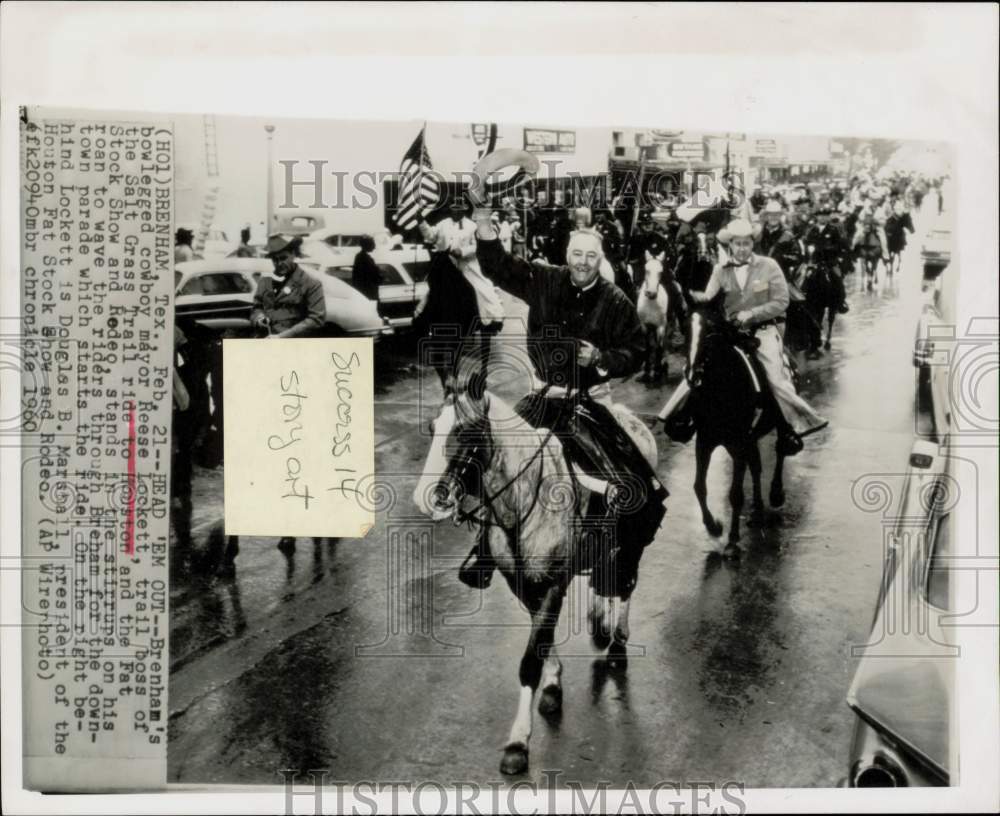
{"x":130,"y":509}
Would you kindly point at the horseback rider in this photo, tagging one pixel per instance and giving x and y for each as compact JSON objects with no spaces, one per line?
{"x":756,"y":297}
{"x":610,"y":231}
{"x":574,"y":306}
{"x":828,"y":250}
{"x":778,"y":243}
{"x":870,"y":237}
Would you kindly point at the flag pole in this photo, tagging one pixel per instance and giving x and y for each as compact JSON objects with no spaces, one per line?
{"x":638,"y":199}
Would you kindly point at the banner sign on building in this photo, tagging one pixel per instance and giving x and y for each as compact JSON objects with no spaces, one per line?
{"x":537,"y":140}
{"x":688,"y":150}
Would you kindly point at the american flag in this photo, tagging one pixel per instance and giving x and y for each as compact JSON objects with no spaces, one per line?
{"x":419,"y":191}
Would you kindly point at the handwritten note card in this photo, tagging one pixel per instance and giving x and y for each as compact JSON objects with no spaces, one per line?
{"x":299,"y":436}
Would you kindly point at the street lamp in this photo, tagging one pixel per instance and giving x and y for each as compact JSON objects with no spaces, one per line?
{"x":270,"y":182}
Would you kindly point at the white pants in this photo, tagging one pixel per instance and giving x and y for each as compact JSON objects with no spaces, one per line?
{"x":796,"y":410}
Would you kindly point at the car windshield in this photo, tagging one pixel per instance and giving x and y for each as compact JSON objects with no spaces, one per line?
{"x":418,"y":270}
{"x":217,"y":283}
{"x":389,"y":275}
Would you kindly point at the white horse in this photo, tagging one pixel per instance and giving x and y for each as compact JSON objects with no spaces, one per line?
{"x":652,"y":307}
{"x":534,"y":511}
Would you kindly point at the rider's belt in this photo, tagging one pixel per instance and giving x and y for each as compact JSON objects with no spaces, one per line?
{"x":774,"y":321}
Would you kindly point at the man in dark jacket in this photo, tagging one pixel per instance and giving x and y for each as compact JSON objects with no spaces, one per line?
{"x":365,"y":276}
{"x":829,"y":248}
{"x":573,"y":306}
{"x":778,"y":243}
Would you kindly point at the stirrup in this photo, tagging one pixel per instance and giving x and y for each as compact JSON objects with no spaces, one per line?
{"x":679,"y":427}
{"x":476,"y":572}
{"x":789,"y":443}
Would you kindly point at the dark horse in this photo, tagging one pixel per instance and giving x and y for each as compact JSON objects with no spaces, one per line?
{"x":731,"y":406}
{"x":821,"y":300}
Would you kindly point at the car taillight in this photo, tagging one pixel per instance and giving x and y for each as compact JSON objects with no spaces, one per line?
{"x":921,"y":460}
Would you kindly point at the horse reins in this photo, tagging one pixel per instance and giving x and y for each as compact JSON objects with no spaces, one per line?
{"x":488,"y":500}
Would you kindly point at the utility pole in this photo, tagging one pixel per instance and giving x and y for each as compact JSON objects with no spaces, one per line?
{"x":270,"y":228}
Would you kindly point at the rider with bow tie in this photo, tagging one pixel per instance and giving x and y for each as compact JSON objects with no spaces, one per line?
{"x":756,"y":297}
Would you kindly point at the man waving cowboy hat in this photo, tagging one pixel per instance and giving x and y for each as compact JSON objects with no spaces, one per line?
{"x":571,"y":395}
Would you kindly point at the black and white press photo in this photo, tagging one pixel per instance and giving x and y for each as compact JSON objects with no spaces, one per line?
{"x":633,"y":392}
{"x":498,"y":408}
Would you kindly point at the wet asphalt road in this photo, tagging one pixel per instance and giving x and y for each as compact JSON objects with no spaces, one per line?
{"x":369,"y":659}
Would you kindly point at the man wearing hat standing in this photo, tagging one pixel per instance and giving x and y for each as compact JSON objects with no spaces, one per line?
{"x":290,"y":303}
{"x":829,"y":249}
{"x":756,"y":297}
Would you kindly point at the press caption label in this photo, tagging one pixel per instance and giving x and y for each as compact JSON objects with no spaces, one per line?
{"x":96,"y":343}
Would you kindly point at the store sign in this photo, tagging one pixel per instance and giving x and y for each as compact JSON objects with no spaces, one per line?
{"x":765,"y":147}
{"x":687,"y":150}
{"x":549,"y":141}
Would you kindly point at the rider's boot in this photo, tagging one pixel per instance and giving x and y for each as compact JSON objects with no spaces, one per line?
{"x":476,"y":570}
{"x":680,"y":425}
{"x":789,"y":442}
{"x":842,"y":308}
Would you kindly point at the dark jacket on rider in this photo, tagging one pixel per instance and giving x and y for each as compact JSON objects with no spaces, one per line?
{"x":560,"y":313}
{"x":780,"y":245}
{"x":830,"y":245}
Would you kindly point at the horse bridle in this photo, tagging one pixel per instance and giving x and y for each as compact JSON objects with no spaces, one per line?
{"x":488,"y":500}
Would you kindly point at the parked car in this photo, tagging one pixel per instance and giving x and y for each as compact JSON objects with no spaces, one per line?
{"x":218,"y":294}
{"x":347,"y":244}
{"x":403,"y":281}
{"x":903,"y":691}
{"x":935,"y":252}
{"x":217,"y":243}
{"x":931,"y":349}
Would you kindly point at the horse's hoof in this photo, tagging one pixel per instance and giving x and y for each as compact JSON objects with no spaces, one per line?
{"x":600,"y":637}
{"x":617,"y":656}
{"x":757,"y":519}
{"x":732,"y":551}
{"x":550,"y":701}
{"x":826,"y":345}
{"x":714,"y":527}
{"x":515,"y":759}
{"x":777,"y":498}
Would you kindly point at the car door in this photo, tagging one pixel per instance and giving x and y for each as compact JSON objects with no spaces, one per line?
{"x":395,"y":295}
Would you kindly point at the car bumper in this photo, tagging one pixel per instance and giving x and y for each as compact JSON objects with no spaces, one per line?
{"x":877,"y":761}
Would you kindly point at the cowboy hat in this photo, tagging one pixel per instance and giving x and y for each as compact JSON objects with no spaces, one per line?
{"x":739,"y":228}
{"x":279,"y":243}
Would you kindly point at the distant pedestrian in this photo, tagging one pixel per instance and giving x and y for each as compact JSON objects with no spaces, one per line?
{"x":244,"y":250}
{"x":365,"y":276}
